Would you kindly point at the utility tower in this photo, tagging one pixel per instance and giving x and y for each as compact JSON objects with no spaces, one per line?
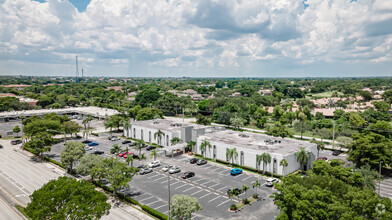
{"x":82,"y":73}
{"x":77,"y":70}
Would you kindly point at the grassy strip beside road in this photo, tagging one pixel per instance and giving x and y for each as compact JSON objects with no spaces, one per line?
{"x":22,"y":210}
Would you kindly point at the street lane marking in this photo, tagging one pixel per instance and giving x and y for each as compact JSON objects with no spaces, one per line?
{"x":11,"y":209}
{"x":196,"y":192}
{"x":188,"y":189}
{"x":223,"y":202}
{"x":205,"y":195}
{"x":152,"y":203}
{"x":146,"y":199}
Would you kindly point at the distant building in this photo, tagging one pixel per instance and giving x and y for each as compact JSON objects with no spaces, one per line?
{"x":189,"y":92}
{"x":116,"y":88}
{"x":265,"y":92}
{"x":32,"y":102}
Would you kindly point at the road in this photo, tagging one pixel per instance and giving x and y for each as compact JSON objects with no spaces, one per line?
{"x":21,"y":174}
{"x":6,"y":212}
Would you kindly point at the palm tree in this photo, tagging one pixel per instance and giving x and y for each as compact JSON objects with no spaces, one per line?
{"x":130,"y":160}
{"x":126,"y":126}
{"x":233,"y":154}
{"x":266,"y":160}
{"x":85,"y":122}
{"x":256,"y":184}
{"x":110,"y":124}
{"x":244,"y":189}
{"x":302,"y":157}
{"x":139,"y":145}
{"x":175,"y":141}
{"x":159,"y":135}
{"x":203,"y":146}
{"x":190,"y":145}
{"x":116,"y":149}
{"x":284,"y":164}
{"x":142,"y":157}
{"x":320,"y":145}
{"x":259,"y":159}
{"x":154,"y":154}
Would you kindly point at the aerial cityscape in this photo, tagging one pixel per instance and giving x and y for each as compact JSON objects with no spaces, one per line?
{"x":206,"y":109}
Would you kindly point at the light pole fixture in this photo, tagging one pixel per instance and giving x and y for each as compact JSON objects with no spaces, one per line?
{"x":168,"y":189}
{"x":379,"y":178}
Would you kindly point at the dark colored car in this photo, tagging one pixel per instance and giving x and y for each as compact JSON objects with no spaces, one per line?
{"x":193,"y":160}
{"x":187,"y":175}
{"x":86,"y":141}
{"x":150,"y":148}
{"x":336,"y":152}
{"x":135,"y":156}
{"x":1,"y":146}
{"x":201,"y":162}
{"x":132,"y":144}
{"x":126,"y":142}
{"x":15,"y":142}
{"x":322,"y":158}
{"x":98,"y":152}
{"x":141,"y":166}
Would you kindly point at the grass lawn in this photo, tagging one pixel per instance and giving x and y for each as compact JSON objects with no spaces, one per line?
{"x":327,"y":94}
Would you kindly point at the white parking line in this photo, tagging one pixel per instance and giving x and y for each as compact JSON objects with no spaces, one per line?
{"x":221,"y":188}
{"x":159,"y":178}
{"x":181,"y":186}
{"x":174,"y":183}
{"x":247,"y":178}
{"x":150,"y":177}
{"x":213,"y":185}
{"x":223,"y":202}
{"x":196,"y":192}
{"x":188,"y":189}
{"x":206,"y":182}
{"x":152,"y":203}
{"x":224,"y":171}
{"x":197,"y":180}
{"x":160,"y":206}
{"x":214,"y":199}
{"x":146,"y":199}
{"x":205,"y":195}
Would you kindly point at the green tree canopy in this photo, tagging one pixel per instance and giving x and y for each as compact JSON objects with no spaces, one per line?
{"x":67,"y":198}
{"x":72,"y":152}
{"x":279,"y":130}
{"x":87,"y":162}
{"x":182,"y":206}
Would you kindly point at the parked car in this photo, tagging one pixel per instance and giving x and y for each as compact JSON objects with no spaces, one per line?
{"x":193,"y":160}
{"x":98,"y":152}
{"x":115,"y":139}
{"x":153,"y":164}
{"x":145,"y":170}
{"x":86,"y":141}
{"x":89,"y":148}
{"x":150,"y":148}
{"x":1,"y":146}
{"x":235,"y":171}
{"x":174,"y":169}
{"x":141,"y":166}
{"x":201,"y":162}
{"x":126,"y":155}
{"x":270,"y":181}
{"x":188,"y":175}
{"x":322,"y":158}
{"x":132,"y":144}
{"x":135,"y":156}
{"x":93,"y":144}
{"x":110,"y":138}
{"x":15,"y":142}
{"x":336,"y":152}
{"x":166,"y":168}
{"x":126,"y":142}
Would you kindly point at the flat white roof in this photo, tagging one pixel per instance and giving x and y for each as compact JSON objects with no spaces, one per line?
{"x":165,"y":125}
{"x":257,"y":142}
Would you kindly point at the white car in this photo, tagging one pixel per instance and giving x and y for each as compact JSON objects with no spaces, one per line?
{"x":174,"y":169}
{"x":271,"y":181}
{"x":89,"y":148}
{"x":166,"y":168}
{"x":115,"y":139}
{"x":153,"y":164}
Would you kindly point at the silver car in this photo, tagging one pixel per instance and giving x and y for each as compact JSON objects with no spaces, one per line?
{"x":175,"y":169}
{"x":166,"y":168}
{"x":145,"y":170}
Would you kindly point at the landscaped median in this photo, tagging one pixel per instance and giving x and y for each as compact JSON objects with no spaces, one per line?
{"x":240,"y":205}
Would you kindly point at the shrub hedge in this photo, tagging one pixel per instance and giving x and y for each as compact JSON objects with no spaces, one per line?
{"x":154,"y":212}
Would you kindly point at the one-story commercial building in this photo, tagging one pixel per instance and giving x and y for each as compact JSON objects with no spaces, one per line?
{"x":248,"y":145}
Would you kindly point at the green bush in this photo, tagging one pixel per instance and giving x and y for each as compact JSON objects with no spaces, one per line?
{"x":233,"y":207}
{"x":128,"y":199}
{"x":22,"y":210}
{"x":222,"y":161}
{"x":55,"y":162}
{"x":95,"y":134}
{"x":245,"y":201}
{"x":154,"y":212}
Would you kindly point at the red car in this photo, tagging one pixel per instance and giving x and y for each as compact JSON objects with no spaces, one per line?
{"x":322,"y":158}
{"x":129,"y":153}
{"x":124,"y":154}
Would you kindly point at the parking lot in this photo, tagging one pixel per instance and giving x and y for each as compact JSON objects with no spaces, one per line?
{"x":209,"y":185}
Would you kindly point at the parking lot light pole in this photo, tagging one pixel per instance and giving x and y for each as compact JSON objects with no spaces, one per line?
{"x":168,"y":187}
{"x":379,"y":178}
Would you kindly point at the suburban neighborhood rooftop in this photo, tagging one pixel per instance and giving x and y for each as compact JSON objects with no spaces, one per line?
{"x":257,"y":142}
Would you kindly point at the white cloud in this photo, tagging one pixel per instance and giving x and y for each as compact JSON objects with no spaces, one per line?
{"x":205,"y":34}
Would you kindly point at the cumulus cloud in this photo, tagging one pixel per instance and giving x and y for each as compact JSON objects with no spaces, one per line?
{"x":218,"y":35}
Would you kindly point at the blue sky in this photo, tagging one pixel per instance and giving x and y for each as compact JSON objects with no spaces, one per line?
{"x":199,"y":38}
